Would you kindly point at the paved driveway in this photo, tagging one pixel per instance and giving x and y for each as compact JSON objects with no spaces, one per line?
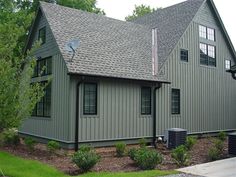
{"x":220,"y":168}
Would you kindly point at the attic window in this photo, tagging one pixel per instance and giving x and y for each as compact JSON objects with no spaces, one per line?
{"x":203,"y":31}
{"x":184,"y":55}
{"x":207,"y":55}
{"x":42,"y":35}
{"x":227,"y":64}
{"x":211,"y":34}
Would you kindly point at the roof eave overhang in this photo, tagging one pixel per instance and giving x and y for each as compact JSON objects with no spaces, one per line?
{"x":114,"y":77}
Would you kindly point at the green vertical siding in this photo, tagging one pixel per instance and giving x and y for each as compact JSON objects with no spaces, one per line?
{"x":119,"y":112}
{"x":208,"y":96}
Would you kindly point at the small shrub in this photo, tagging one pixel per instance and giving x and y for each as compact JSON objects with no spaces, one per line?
{"x":180,"y":155}
{"x":131,"y":153}
{"x":30,"y":143}
{"x":142,"y":142}
{"x":190,"y":141}
{"x":85,"y":160}
{"x":222,"y":136}
{"x":85,"y":148}
{"x":147,"y":159}
{"x":213,"y":154}
{"x":52,"y":146}
{"x":120,"y":149}
{"x":219,"y":145}
{"x":10,"y":137}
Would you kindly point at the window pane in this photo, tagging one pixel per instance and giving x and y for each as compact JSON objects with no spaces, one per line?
{"x":203,"y":54}
{"x":47,"y":101}
{"x":211,"y":34}
{"x":184,"y":55}
{"x":90,"y":98}
{"x":202,"y":31}
{"x":211,"y":55}
{"x":227,"y":64}
{"x":48,"y":69}
{"x":175,"y":101}
{"x":42,"y":35}
{"x":146,"y":100}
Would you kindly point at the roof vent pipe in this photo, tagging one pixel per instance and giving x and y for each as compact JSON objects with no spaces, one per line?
{"x":154,"y":52}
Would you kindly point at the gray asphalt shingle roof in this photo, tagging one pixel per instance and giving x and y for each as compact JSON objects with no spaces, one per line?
{"x":114,"y":48}
{"x":171,"y":23}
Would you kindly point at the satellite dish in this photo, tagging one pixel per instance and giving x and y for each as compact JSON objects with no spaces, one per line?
{"x":71,"y":46}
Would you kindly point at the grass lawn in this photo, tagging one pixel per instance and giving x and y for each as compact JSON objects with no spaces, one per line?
{"x":13,"y":166}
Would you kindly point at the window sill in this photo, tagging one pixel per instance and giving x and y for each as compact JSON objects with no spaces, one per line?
{"x":208,"y":67}
{"x":41,"y":117}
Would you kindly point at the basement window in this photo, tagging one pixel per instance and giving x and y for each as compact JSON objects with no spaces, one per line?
{"x":175,"y":101}
{"x":184,"y":55}
{"x":90,"y":99}
{"x":43,"y":107}
{"x":42,"y":35}
{"x":145,"y":100}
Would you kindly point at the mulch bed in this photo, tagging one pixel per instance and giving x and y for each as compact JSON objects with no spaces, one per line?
{"x":109,"y":162}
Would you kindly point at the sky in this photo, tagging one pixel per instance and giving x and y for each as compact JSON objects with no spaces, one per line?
{"x":119,"y":9}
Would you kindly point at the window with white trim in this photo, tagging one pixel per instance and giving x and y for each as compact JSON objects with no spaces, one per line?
{"x":227,"y":64}
{"x":203,"y":31}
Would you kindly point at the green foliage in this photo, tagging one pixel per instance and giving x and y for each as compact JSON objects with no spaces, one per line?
{"x":219,"y":144}
{"x":180,"y":155}
{"x":52,"y":146}
{"x":30,"y":143}
{"x":142,"y":142}
{"x":146,"y":159}
{"x":10,"y":137}
{"x":12,"y":166}
{"x":85,"y":148}
{"x":120,"y":149}
{"x":222,"y":136}
{"x":213,"y":154}
{"x":131,"y":153}
{"x":190,"y":141}
{"x":140,"y":11}
{"x":85,"y":159}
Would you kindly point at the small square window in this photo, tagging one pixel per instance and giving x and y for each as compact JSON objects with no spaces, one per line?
{"x":202,"y":31}
{"x":42,"y":35}
{"x":211,"y":34}
{"x":227,"y":64}
{"x":146,"y":100}
{"x":184,"y":55}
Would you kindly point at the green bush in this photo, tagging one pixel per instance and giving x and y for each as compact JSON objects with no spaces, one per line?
{"x":142,"y":142}
{"x":85,"y":159}
{"x":52,"y":146}
{"x":222,"y":136}
{"x":120,"y":149}
{"x":10,"y":137}
{"x":190,"y":141}
{"x":219,"y":144}
{"x":180,"y":155}
{"x":85,"y":148}
{"x":131,"y":153}
{"x":147,"y":159}
{"x":30,"y":143}
{"x":213,"y":154}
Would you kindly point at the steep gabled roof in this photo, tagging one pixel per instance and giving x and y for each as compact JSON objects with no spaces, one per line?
{"x":108,"y":47}
{"x":171,"y":23}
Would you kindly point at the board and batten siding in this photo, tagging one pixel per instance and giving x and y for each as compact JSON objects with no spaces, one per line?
{"x":118,"y":112}
{"x":207,"y":94}
{"x":57,"y":126}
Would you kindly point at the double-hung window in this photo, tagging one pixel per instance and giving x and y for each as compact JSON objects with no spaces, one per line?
{"x":42,"y":35}
{"x":43,"y":107}
{"x":184,"y":55}
{"x":146,"y":100}
{"x":227,"y":64}
{"x":90,"y":99}
{"x":207,"y":33}
{"x":175,"y":101}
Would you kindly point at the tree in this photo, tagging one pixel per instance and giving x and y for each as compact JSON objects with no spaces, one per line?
{"x":140,"y":11}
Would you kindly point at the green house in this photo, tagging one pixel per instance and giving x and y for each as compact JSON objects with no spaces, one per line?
{"x":129,"y":80}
